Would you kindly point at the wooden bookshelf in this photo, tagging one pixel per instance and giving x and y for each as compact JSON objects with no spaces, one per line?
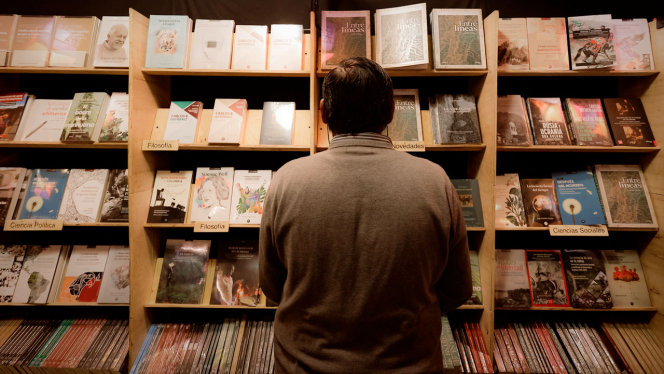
{"x":191,"y":226}
{"x":611,"y":229}
{"x":577,"y":148}
{"x":75,"y":305}
{"x":227,"y":73}
{"x":577,"y":73}
{"x":566,"y":309}
{"x":54,"y":70}
{"x":97,"y":224}
{"x":95,"y":145}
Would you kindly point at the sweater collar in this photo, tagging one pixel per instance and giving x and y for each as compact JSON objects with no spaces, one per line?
{"x":364,"y":139}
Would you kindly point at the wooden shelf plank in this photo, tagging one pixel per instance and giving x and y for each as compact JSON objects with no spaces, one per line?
{"x":479,"y":229}
{"x":205,"y":306}
{"x":576,"y":148}
{"x":226,"y":72}
{"x":621,"y":309}
{"x":438,"y":147}
{"x":611,"y":229}
{"x":424,"y":73}
{"x":577,"y":73}
{"x":88,"y":71}
{"x":65,"y":304}
{"x":95,"y":145}
{"x":471,"y":307}
{"x":191,"y":226}
{"x":244,"y":147}
{"x":97,"y":224}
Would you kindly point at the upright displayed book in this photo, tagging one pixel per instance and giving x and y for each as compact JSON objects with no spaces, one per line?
{"x":625,"y":196}
{"x":183,"y":120}
{"x":406,"y":123}
{"x":286,"y":50}
{"x":540,"y":201}
{"x":457,"y":120}
{"x":10,"y":186}
{"x":170,"y":196}
{"x":547,"y":121}
{"x":513,"y":44}
{"x":513,"y":128}
{"x":12,"y":108}
{"x":578,"y":199}
{"x":344,"y":35}
{"x":115,"y":285}
{"x":11,"y":261}
{"x":73,"y":41}
{"x":85,"y":117}
{"x":115,"y":127}
{"x":471,"y":203}
{"x":626,"y":280}
{"x":547,"y":44}
{"x":510,"y":211}
{"x":84,"y":274}
{"x":45,"y":121}
{"x":33,"y":37}
{"x":631,"y":38}
{"x":586,"y":122}
{"x":401,"y":37}
{"x":248,"y":197}
{"x":587,"y":282}
{"x":236,"y":274}
{"x":629,"y":123}
{"x":458,"y":39}
{"x":183,"y":273}
{"x":82,"y":199}
{"x":112,"y":46}
{"x":278,"y":123}
{"x":168,"y":42}
{"x":7,"y":26}
{"x":476,"y":297}
{"x":591,"y":42}
{"x":36,"y":278}
{"x":229,"y":120}
{"x":548,"y":286}
{"x":44,"y":194}
{"x":19,"y":196}
{"x":115,"y":207}
{"x":211,"y":200}
{"x":512,"y":288}
{"x":212,"y":46}
{"x":250,"y":48}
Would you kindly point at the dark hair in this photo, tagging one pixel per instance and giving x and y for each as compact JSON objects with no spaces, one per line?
{"x":358,"y":97}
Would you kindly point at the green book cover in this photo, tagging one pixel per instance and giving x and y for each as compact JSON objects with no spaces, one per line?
{"x":471,"y":203}
{"x":459,"y":37}
{"x":183,"y":272}
{"x":407,"y":122}
{"x":52,"y":342}
{"x":476,"y":298}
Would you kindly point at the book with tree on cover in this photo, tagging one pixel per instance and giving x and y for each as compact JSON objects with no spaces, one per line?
{"x":115,"y":207}
{"x":625,"y":196}
{"x":45,"y":121}
{"x":401,"y":36}
{"x":286,"y":49}
{"x":168,"y":42}
{"x":84,"y":274}
{"x":541,"y":203}
{"x":73,"y":41}
{"x":513,"y":44}
{"x":547,"y":121}
{"x":115,"y":127}
{"x":587,"y":282}
{"x":591,"y":42}
{"x":248,"y":197}
{"x":213,"y":43}
{"x":183,"y":273}
{"x":510,"y":211}
{"x":586,"y":122}
{"x":629,"y":122}
{"x":249,"y":48}
{"x":547,"y":44}
{"x":36,"y":278}
{"x":512,"y":288}
{"x":211,"y":200}
{"x":512,"y":124}
{"x":115,"y":285}
{"x":112,"y":45}
{"x":344,"y":35}
{"x":458,"y":38}
{"x":7,"y":26}
{"x":236,"y":274}
{"x":32,"y":40}
{"x":632,"y":41}
{"x":626,"y":279}
{"x":548,"y":286}
{"x":406,"y":124}
{"x":578,"y":199}
{"x":85,"y":117}
{"x":83,"y":195}
{"x":11,"y":261}
{"x":44,"y":194}
{"x":170,"y":196}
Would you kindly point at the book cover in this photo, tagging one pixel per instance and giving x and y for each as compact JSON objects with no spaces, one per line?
{"x":85,"y":114}
{"x":12,"y":107}
{"x":548,"y":121}
{"x":510,"y":210}
{"x":32,"y":40}
{"x":73,"y":41}
{"x":229,"y":119}
{"x":10,"y":180}
{"x":512,"y":288}
{"x":513,"y":44}
{"x":115,"y":207}
{"x":11,"y":261}
{"x":401,"y":36}
{"x":476,"y":297}
{"x":458,"y":39}
{"x":591,"y":42}
{"x":183,"y":119}
{"x":626,"y":281}
{"x":44,"y":194}
{"x":112,"y":45}
{"x":212,"y":194}
{"x":45,"y":121}
{"x":547,"y":44}
{"x":170,"y":196}
{"x":167,"y":45}
{"x":587,"y":123}
{"x":629,"y":123}
{"x":286,"y":50}
{"x":115,"y":285}
{"x":19,"y":196}
{"x":457,"y":119}
{"x":84,"y":274}
{"x":213,"y":42}
{"x":249,"y":48}
{"x":248,"y":197}
{"x":468,"y":191}
{"x":37,"y":273}
{"x":587,"y":283}
{"x":236,"y":274}
{"x":512,"y":124}
{"x":278,"y":123}
{"x":7,"y":26}
{"x":406,"y":124}
{"x":547,"y":279}
{"x":182,"y":278}
{"x":541,"y":202}
{"x":115,"y":127}
{"x":578,"y":199}
{"x":344,"y":35}
{"x":625,"y":196}
{"x":83,"y":196}
{"x":632,"y":41}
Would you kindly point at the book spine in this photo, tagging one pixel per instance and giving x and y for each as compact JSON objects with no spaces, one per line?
{"x":599,"y":347}
{"x":454,"y":352}
{"x":529,"y":353}
{"x":498,"y":359}
{"x":571,"y":352}
{"x":445,"y":346}
{"x":465,"y":365}
{"x":481,"y":344}
{"x":586,"y":355}
{"x":530,"y":120}
{"x":503,"y":361}
{"x":469,"y":353}
{"x":474,"y":348}
{"x":618,"y":349}
{"x":590,"y":346}
{"x":537,"y":348}
{"x":554,"y":345}
{"x":510,"y":353}
{"x":510,"y":335}
{"x":571,"y":126}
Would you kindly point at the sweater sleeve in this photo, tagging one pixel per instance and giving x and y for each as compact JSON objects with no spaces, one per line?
{"x":272,"y":272}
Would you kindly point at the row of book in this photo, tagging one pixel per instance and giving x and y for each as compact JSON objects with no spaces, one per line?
{"x":36,"y":346}
{"x":34,"y":274}
{"x":463,"y":346}
{"x":641,"y":350}
{"x":64,"y":41}
{"x":73,"y":196}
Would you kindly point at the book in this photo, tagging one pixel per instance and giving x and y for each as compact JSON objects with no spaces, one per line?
{"x":84,"y":274}
{"x":512,"y":124}
{"x":73,"y":41}
{"x":229,"y":120}
{"x":85,"y":117}
{"x":168,"y":42}
{"x":547,"y":121}
{"x":286,"y":50}
{"x":401,"y":37}
{"x":83,"y":195}
{"x":278,"y":123}
{"x":11,"y":180}
{"x":12,"y":108}
{"x":115,"y":127}
{"x":32,"y":41}
{"x":183,"y":273}
{"x":406,"y":123}
{"x":513,"y":44}
{"x":458,"y":121}
{"x":458,"y":39}
{"x":344,"y":35}
{"x":587,"y":282}
{"x":511,"y":286}
{"x":115,"y":285}
{"x":36,"y":277}
{"x":170,"y":196}
{"x":248,"y":197}
{"x":7,"y":26}
{"x":547,"y":279}
{"x":183,"y":120}
{"x":19,"y":196}
{"x":625,"y":196}
{"x":236,"y":274}
{"x":249,"y":48}
{"x":629,"y":123}
{"x":45,"y":121}
{"x":44,"y":194}
{"x":510,"y":211}
{"x":212,"y":46}
{"x":591,"y":42}
{"x":476,"y":297}
{"x":11,"y":261}
{"x":541,"y":202}
{"x":115,"y":207}
{"x":626,"y":280}
{"x":547,"y":44}
{"x":468,"y":191}
{"x":112,"y":45}
{"x":586,"y":122}
{"x":578,"y":199}
{"x":632,"y":41}
{"x":211,"y":200}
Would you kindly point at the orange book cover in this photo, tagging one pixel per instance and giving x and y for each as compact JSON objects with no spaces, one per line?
{"x":7,"y":24}
{"x":32,"y":40}
{"x":84,"y":274}
{"x":72,"y":41}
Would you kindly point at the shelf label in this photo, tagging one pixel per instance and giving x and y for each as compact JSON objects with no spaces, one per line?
{"x":160,"y":145}
{"x":409,"y":146}
{"x":211,"y":226}
{"x":34,"y":225}
{"x":578,"y":230}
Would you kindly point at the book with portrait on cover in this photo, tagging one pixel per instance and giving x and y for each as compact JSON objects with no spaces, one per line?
{"x":512,"y":288}
{"x":587,"y":282}
{"x":112,"y":47}
{"x":458,"y":38}
{"x":344,"y":35}
{"x":84,"y":274}
{"x":548,"y":286}
{"x":236,"y":274}
{"x":211,"y":200}
{"x":36,"y":278}
{"x":541,"y":203}
{"x":401,"y":37}
{"x":629,"y":123}
{"x":513,"y":44}
{"x":183,"y":273}
{"x":406,"y":124}
{"x":170,"y":196}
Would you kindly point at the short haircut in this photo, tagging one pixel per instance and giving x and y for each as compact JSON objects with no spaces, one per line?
{"x":358,"y":97}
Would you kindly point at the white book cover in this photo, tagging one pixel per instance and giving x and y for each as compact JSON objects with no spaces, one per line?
{"x":32,"y":41}
{"x":182,"y":123}
{"x":73,"y":42}
{"x":167,"y":44}
{"x":513,"y":44}
{"x":250,"y":48}
{"x":512,"y":287}
{"x":510,"y":211}
{"x":626,"y":279}
{"x":170,"y":196}
{"x":112,"y":47}
{"x":277,"y":123}
{"x":212,"y":46}
{"x":115,"y":127}
{"x":115,"y":285}
{"x":84,"y":274}
{"x":37,"y":273}
{"x":631,"y":38}
{"x":83,"y":195}
{"x":249,"y":190}
{"x":45,"y":121}
{"x":11,"y":261}
{"x":211,"y":200}
{"x":286,"y":51}
{"x":229,"y":119}
{"x":401,"y":36}
{"x":7,"y":26}
{"x":591,"y":42}
{"x":458,"y":39}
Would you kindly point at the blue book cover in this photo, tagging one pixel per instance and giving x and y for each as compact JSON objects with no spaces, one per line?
{"x":44,"y":194}
{"x":168,"y":37}
{"x":578,"y":198}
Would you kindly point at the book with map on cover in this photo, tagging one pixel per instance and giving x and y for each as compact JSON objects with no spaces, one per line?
{"x":44,"y":194}
{"x":547,"y":121}
{"x":84,"y":274}
{"x":344,"y":35}
{"x":513,"y":128}
{"x":468,"y":191}
{"x":211,"y":200}
{"x":513,"y":44}
{"x":629,"y":123}
{"x":512,"y":288}
{"x":236,"y":274}
{"x":591,"y":42}
{"x":586,"y":122}
{"x":578,"y":199}
{"x":547,"y":44}
{"x":115,"y":207}
{"x":587,"y":283}
{"x":401,"y":37}
{"x":115,"y":285}
{"x":183,"y":273}
{"x":510,"y":211}
{"x":458,"y":121}
{"x":626,"y":280}
{"x":406,"y":124}
{"x":83,"y":196}
{"x":632,"y":41}
{"x":170,"y":196}
{"x":458,"y":38}
{"x":548,"y":286}
{"x":36,"y":278}
{"x":11,"y":261}
{"x":248,"y":197}
{"x":541,"y":203}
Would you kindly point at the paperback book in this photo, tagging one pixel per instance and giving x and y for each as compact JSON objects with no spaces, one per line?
{"x":170,"y":196}
{"x":250,"y":48}
{"x":625,"y":196}
{"x":539,"y":197}
{"x":212,"y":194}
{"x":168,"y":41}
{"x":115,"y":207}
{"x":11,"y":261}
{"x":82,"y":199}
{"x":46,"y":121}
{"x":115,"y":285}
{"x":19,"y":196}
{"x":476,"y":297}
{"x":36,"y":277}
{"x":626,"y":281}
{"x":401,"y":37}
{"x":587,"y":283}
{"x":406,"y":124}
{"x":44,"y":194}
{"x":236,"y":274}
{"x":73,"y":41}
{"x":510,"y":211}
{"x":84,"y":274}
{"x":7,"y":25}
{"x":212,"y":46}
{"x":12,"y":108}
{"x":512,"y":288}
{"x":286,"y":50}
{"x":115,"y":127}
{"x":458,"y":39}
{"x":344,"y":35}
{"x":513,"y":127}
{"x":547,"y":44}
{"x":85,"y":117}
{"x":457,"y":119}
{"x":112,"y":47}
{"x":587,"y":123}
{"x":278,"y":123}
{"x":248,"y":197}
{"x":629,"y":123}
{"x":10,"y":185}
{"x":578,"y":198}
{"x":632,"y":42}
{"x":229,"y":120}
{"x":547,"y":121}
{"x":32,"y":40}
{"x":468,"y":191}
{"x":513,"y":44}
{"x":183,"y":120}
{"x":591,"y":42}
{"x":183,"y":273}
{"x":548,"y":286}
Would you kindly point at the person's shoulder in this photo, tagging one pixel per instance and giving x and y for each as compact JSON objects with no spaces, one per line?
{"x":418,"y":165}
{"x":298,"y":166}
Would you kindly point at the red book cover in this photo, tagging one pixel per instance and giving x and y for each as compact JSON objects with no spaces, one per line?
{"x":482,"y":346}
{"x":547,"y":278}
{"x":499,"y":345}
{"x":462,"y":350}
{"x":157,"y":355}
{"x":511,"y":350}
{"x":83,"y":342}
{"x":497,"y":355}
{"x":551,"y":350}
{"x":180,"y":339}
{"x":57,"y":353}
{"x":517,"y":347}
{"x":475,"y":349}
